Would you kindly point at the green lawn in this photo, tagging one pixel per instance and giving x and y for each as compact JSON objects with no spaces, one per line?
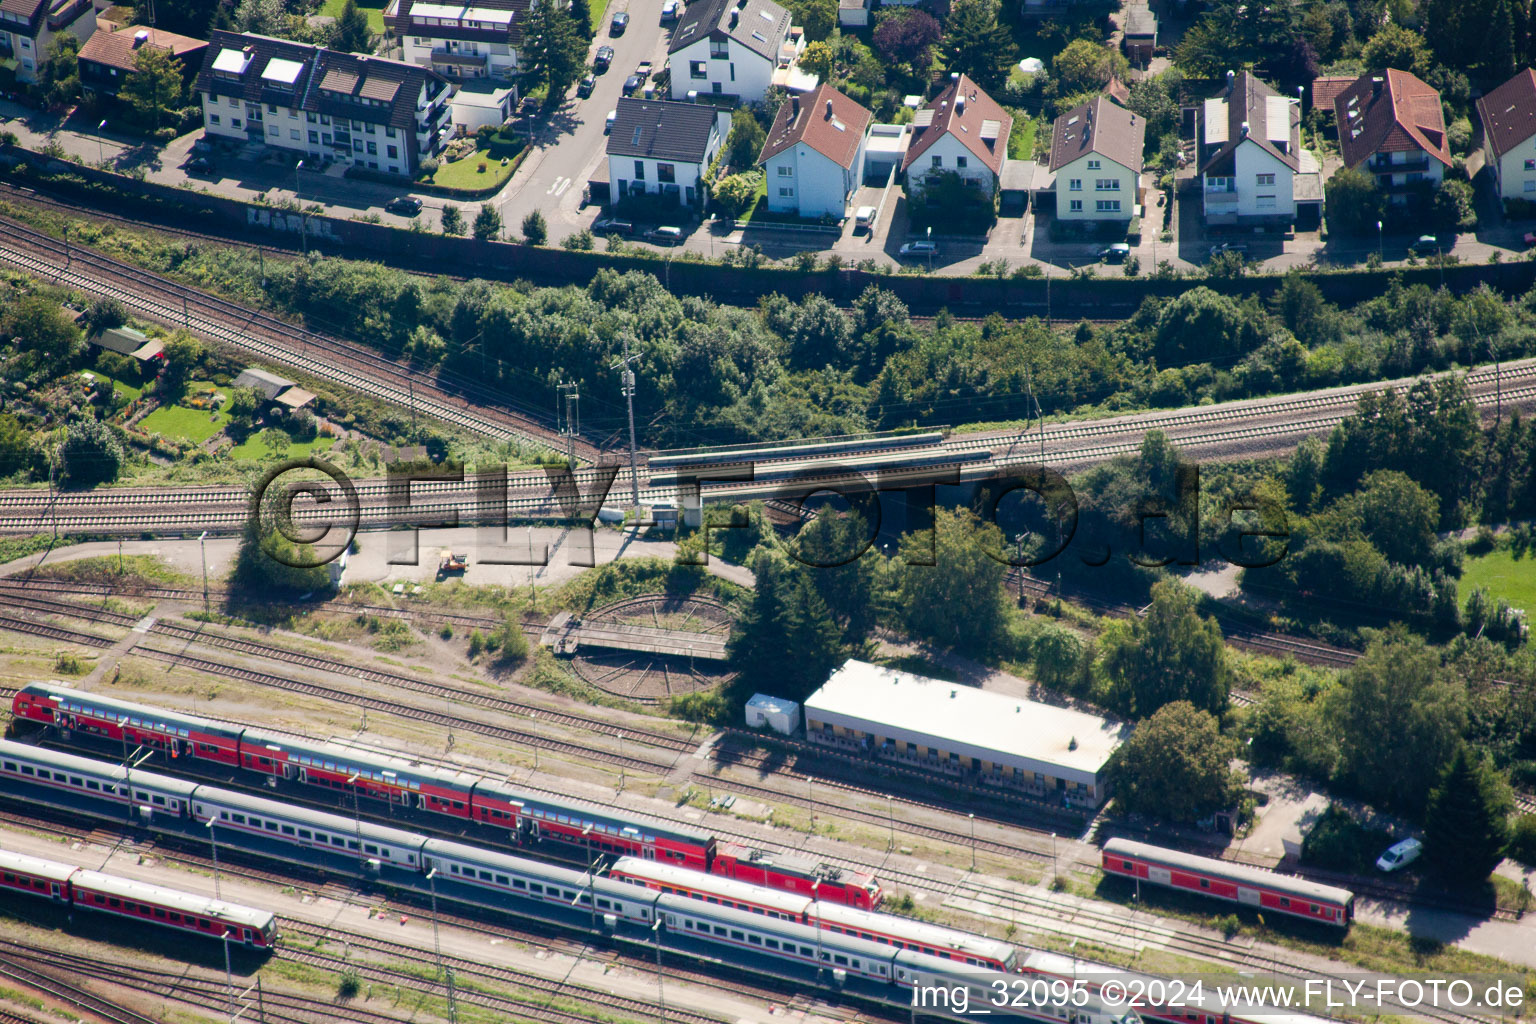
{"x":1021,"y":143}
{"x":373,"y":8}
{"x":758,"y":207}
{"x":195,"y":425}
{"x":597,"y":14}
{"x":466,"y":173}
{"x":131,"y":391}
{"x":1498,"y":573}
{"x":255,"y":447}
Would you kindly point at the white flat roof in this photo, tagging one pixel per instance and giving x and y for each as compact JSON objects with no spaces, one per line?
{"x":462,"y":12}
{"x":280,"y":70}
{"x":232,"y":61}
{"x":955,"y":718}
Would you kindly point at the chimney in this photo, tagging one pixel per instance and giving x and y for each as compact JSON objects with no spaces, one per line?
{"x":140,"y":38}
{"x":954,"y":76}
{"x":1244,"y":132}
{"x":959,"y":105}
{"x":735,"y":17}
{"x":1231,"y":79}
{"x":829,"y":110}
{"x":794,"y":109}
{"x":1375,"y":87}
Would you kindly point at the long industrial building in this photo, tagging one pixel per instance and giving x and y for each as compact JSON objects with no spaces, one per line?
{"x":978,"y":736}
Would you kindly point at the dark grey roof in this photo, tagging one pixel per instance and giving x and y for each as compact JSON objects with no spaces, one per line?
{"x":662,"y":130}
{"x":759,"y":25}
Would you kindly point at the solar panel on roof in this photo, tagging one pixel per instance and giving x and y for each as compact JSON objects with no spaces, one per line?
{"x":924,"y":118}
{"x":990,"y":130}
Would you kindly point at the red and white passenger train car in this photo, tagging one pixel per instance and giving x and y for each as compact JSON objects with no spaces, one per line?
{"x":798,"y":874}
{"x":1236,"y":883}
{"x":140,"y":901}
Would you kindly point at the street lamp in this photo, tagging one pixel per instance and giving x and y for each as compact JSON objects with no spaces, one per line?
{"x":972,"y":816}
{"x":100,"y":159}
{"x":533,"y":597}
{"x":930,"y":249}
{"x":357,"y":816}
{"x":1379,"y":251}
{"x":229,"y":977}
{"x":1053,"y":857}
{"x":816,"y":909}
{"x":202,"y":547}
{"x":303,"y":224}
{"x":661,"y":1002}
{"x":890,"y":815}
{"x":810,"y":788}
{"x":586,"y":834}
{"x":213,"y":840}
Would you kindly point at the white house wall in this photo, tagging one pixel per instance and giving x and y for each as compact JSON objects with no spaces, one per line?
{"x":1252,"y":161}
{"x":945,"y":155}
{"x":818,"y":186}
{"x":1088,"y":194}
{"x":740,"y":73}
{"x":501,"y":60}
{"x":1517,"y":172}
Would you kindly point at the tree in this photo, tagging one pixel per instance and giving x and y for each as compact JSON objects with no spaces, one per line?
{"x":487,"y":222}
{"x":581,"y":17}
{"x":91,"y":453}
{"x":1396,"y":47}
{"x":1301,"y":307}
{"x":975,"y":43}
{"x":786,"y":614}
{"x":453,"y":220}
{"x":155,"y":87}
{"x":351,"y":32}
{"x":1353,"y":202}
{"x":952,"y":594}
{"x":850,"y":586}
{"x":535,"y":231}
{"x":817,"y":17}
{"x":265,"y":17}
{"x":1466,"y":823}
{"x":746,"y":139}
{"x":16,"y":451}
{"x":734,"y":192}
{"x":1452,"y":206}
{"x":1175,"y":765}
{"x":59,"y":76}
{"x":269,"y":563}
{"x":104,"y":314}
{"x":1086,"y":66}
{"x":1399,"y":721}
{"x":905,"y":35}
{"x":1056,"y":653}
{"x":820,"y":60}
{"x":183,"y":354}
{"x":1173,"y":654}
{"x":555,"y":49}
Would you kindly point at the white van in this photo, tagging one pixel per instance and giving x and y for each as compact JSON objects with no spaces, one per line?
{"x":864,"y":219}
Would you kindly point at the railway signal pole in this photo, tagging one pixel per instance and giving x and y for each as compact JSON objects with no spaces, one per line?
{"x":627,"y":386}
{"x":213,"y":841}
{"x":570,"y":396}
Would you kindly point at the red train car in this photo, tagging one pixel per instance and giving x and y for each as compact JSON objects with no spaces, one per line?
{"x":796,"y":873}
{"x":178,"y":735}
{"x":1236,"y":883}
{"x":123,"y":897}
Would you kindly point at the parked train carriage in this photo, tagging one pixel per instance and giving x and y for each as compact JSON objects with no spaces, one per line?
{"x":1236,"y":883}
{"x":983,"y":992}
{"x":176,"y":734}
{"x":608,"y":831}
{"x":35,"y":876}
{"x":797,"y":873}
{"x":108,"y":894}
{"x":886,"y":929}
{"x":379,"y":776}
{"x":501,"y":875}
{"x":95,"y":780}
{"x":372,"y":845}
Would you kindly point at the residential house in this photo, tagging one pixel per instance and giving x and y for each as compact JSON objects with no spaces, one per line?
{"x":1140,"y":34}
{"x":731,"y":48}
{"x":1096,"y":162}
{"x":659,"y":147}
{"x":367,"y":112}
{"x":962,"y":131}
{"x":1508,"y":114}
{"x":27,"y":27}
{"x":1391,"y":126}
{"x":814,"y":155}
{"x":126,"y":341}
{"x":276,"y":391}
{"x":460,"y":40}
{"x":107,"y":58}
{"x":1250,"y":158}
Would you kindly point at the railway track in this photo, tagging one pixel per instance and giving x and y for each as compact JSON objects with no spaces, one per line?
{"x":13,"y":966}
{"x":263,"y":335}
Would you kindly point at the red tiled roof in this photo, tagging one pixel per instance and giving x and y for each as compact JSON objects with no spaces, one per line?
{"x":1101,"y":127}
{"x":1509,"y":112}
{"x":1390,"y":112}
{"x":117,"y":49}
{"x":1326,"y":89}
{"x":815,"y":121}
{"x":965,"y":125}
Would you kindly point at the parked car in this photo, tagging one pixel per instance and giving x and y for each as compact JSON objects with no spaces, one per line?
{"x":612,"y":226}
{"x":1237,"y":247}
{"x":619,"y":23}
{"x":587,"y":85}
{"x":631,"y":84}
{"x":613,"y":115}
{"x":1400,"y":854}
{"x":405,"y":206}
{"x":643,"y":69}
{"x":669,"y":11}
{"x":202,"y":147}
{"x":920,"y":249}
{"x":1116,"y":253}
{"x":603,"y":59}
{"x":864,"y":219}
{"x":1425,"y":245}
{"x":664,"y":235}
{"x":200,"y":164}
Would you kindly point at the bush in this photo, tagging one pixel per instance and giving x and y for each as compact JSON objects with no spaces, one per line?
{"x":581,"y":241}
{"x":428,"y":166}
{"x":447,"y":631}
{"x":476,"y":643}
{"x":1339,"y":842}
{"x":1522,"y":840}
{"x":535,"y":231}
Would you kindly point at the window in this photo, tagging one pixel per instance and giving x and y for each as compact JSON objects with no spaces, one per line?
{"x":1265,"y":202}
{"x":310,"y":118}
{"x":1106,"y":185}
{"x":698,"y":69}
{"x":357,"y":144}
{"x":1075,"y":185}
{"x":314,"y":138}
{"x":373,"y":149}
{"x":786,"y":171}
{"x":1264,"y":179}
{"x":719,"y":49}
{"x":1107,"y":206}
{"x":371,"y":129}
{"x":394,"y":152}
{"x":786,"y":193}
{"x":1075,"y":206}
{"x":271,"y":108}
{"x":1093,"y":165}
{"x":1530,"y":185}
{"x":938,"y":162}
{"x":639,"y":170}
{"x":666,"y":173}
{"x":1530,"y":165}
{"x":213,"y":118}
{"x":961,"y":162}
